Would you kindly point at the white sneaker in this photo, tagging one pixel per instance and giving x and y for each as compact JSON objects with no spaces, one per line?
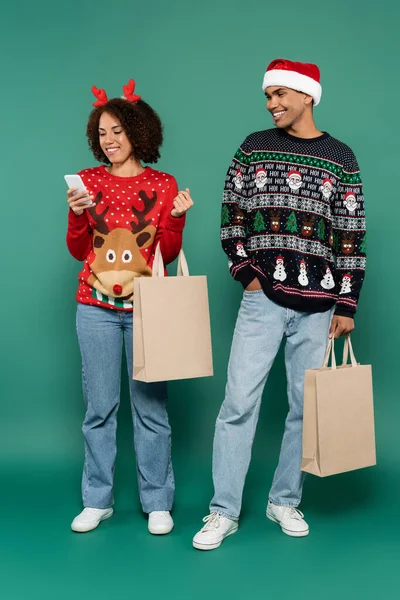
{"x":160,"y":522}
{"x":289,"y":518}
{"x":90,"y":518}
{"x":215,"y":530}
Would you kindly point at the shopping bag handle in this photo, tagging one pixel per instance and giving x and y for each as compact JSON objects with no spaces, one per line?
{"x":183,"y":269}
{"x":348,"y":346}
{"x":158,"y":264}
{"x":330,"y":351}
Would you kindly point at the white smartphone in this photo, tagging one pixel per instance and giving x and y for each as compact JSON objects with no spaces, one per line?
{"x":75,"y":181}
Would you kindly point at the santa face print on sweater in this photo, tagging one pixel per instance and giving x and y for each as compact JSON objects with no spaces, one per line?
{"x":261,"y":178}
{"x":294,"y":180}
{"x":238,"y":180}
{"x":117,"y":253}
{"x":350,"y":202}
{"x":326,"y":189}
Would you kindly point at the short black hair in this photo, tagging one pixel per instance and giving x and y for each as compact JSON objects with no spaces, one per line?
{"x":140,"y":122}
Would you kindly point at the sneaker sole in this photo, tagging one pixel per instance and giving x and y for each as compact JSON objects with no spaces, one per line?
{"x":287,"y":531}
{"x":154,"y":532}
{"x":87,"y":528}
{"x":216,"y":545}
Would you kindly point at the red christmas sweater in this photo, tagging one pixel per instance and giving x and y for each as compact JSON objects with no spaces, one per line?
{"x":117,"y":237}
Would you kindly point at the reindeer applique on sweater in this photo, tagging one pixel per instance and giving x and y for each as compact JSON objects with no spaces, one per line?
{"x":116,"y":237}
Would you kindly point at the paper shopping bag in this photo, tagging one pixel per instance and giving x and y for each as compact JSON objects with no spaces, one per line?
{"x":338,"y":424}
{"x":171,"y":325}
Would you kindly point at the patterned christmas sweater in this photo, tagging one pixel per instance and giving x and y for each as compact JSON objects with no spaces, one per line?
{"x":293,"y":216}
{"x":117,"y":237}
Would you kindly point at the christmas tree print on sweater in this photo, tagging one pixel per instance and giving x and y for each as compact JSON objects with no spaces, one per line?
{"x":116,"y":237}
{"x":291,"y":223}
{"x":259,"y":224}
{"x":303,"y":203}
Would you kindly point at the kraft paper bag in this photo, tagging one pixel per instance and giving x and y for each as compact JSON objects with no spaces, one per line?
{"x":338,"y":424}
{"x":171,"y":325}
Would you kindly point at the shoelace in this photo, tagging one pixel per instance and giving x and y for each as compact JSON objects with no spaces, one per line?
{"x":294,"y":513}
{"x":211,"y":521}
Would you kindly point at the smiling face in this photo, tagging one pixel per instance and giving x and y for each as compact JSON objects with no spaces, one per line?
{"x":113,"y":140}
{"x":350,"y":202}
{"x":287,"y":106}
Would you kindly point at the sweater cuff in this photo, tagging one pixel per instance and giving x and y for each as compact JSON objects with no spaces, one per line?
{"x":340,"y":311}
{"x":77,"y":220}
{"x":175,"y":224}
{"x":245,"y":275}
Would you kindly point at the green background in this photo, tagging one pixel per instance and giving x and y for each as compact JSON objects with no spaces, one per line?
{"x":201,"y":66}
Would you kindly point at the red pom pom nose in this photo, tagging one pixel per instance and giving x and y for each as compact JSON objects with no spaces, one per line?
{"x":117,"y":289}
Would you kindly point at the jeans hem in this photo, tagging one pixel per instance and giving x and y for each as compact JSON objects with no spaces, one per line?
{"x":158,"y":508}
{"x":289,"y":504}
{"x":223,"y":514}
{"x":92,"y":505}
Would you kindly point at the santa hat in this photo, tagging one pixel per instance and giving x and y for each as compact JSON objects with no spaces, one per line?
{"x":239,"y":172}
{"x":302,"y":77}
{"x":239,"y":245}
{"x":279,"y":258}
{"x":349,"y":195}
{"x":327,"y":181}
{"x":294,"y":173}
{"x":302,"y":263}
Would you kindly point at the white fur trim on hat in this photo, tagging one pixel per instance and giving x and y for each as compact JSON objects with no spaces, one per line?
{"x":294,"y":81}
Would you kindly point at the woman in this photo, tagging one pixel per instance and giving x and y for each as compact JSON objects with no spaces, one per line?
{"x":114,"y":228}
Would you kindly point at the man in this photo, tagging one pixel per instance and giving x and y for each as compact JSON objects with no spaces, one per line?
{"x":311,"y":177}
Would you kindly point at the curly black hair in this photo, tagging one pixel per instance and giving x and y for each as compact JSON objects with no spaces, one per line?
{"x":141,"y":124}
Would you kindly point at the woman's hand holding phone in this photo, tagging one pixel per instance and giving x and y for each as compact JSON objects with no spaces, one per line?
{"x":78,"y":201}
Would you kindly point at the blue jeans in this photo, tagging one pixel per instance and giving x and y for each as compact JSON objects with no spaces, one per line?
{"x":261,"y":326}
{"x":101,"y":333}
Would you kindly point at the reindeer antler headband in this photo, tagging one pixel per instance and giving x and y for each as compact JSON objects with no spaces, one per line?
{"x":128,"y":89}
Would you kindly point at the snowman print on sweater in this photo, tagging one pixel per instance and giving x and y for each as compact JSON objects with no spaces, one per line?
{"x":280,"y":271}
{"x":240,"y":251}
{"x":328,"y":282}
{"x":302,"y":278}
{"x":346,"y":284}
